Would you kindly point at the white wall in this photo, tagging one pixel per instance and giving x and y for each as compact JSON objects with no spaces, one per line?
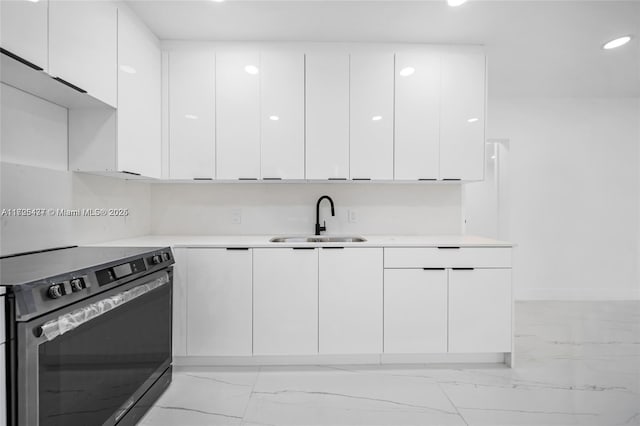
{"x":574,"y":190}
{"x":33,"y":150}
{"x":278,"y":208}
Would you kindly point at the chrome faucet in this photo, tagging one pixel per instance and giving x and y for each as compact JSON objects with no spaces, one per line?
{"x":319,"y":228}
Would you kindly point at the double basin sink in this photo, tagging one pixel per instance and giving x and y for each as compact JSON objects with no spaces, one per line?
{"x":318,"y":239}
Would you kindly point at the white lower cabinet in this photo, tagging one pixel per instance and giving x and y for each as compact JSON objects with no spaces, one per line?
{"x":480,"y":310}
{"x":350,"y":300}
{"x":285,"y":301}
{"x":180,"y":277}
{"x":3,"y":374}
{"x":337,"y":301}
{"x":219,"y":302}
{"x":3,"y":380}
{"x":415,"y":311}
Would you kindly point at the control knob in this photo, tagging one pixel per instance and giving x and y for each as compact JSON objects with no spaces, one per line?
{"x":76,"y":284}
{"x":156,"y":259}
{"x":55,"y":291}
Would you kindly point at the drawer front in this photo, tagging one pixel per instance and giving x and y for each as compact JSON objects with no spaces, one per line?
{"x":434,"y":257}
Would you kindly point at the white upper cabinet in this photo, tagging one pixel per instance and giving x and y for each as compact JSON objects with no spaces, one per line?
{"x":371,"y":127}
{"x":238,"y":115}
{"x":417,"y":115}
{"x":462,"y":115}
{"x":327,"y":116}
{"x":83,"y":46}
{"x":139,"y":75}
{"x":192,"y":114}
{"x":23,"y":30}
{"x":282,"y":115}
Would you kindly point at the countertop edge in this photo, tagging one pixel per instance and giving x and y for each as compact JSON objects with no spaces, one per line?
{"x":261,"y":241}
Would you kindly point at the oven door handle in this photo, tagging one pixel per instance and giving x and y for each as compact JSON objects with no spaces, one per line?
{"x":74,"y":319}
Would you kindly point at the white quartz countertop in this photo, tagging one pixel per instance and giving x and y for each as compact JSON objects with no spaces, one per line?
{"x":263,"y":241}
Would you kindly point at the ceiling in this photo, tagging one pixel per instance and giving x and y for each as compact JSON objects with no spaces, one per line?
{"x":535,"y":48}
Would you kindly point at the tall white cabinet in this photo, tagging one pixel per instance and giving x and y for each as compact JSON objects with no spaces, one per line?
{"x":237,"y":115}
{"x":371,"y":116}
{"x":83,"y":46}
{"x":285,"y":301}
{"x":350,"y":300}
{"x":219,"y":302}
{"x":462,"y":115}
{"x":417,"y":115}
{"x":24,"y":30}
{"x":327,"y":116}
{"x":139,"y":78}
{"x":192,"y":103}
{"x":282,"y":115}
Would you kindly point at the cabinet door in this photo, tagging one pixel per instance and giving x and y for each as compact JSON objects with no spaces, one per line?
{"x":180,"y":279}
{"x":327,"y":116}
{"x":139,"y":61}
{"x":350,"y":301}
{"x":285,"y":301}
{"x":415,"y":311}
{"x":371,"y":125}
{"x":219,"y":302}
{"x":238,"y":115}
{"x":417,"y":115}
{"x":191,"y":114}
{"x":282,"y":115}
{"x":2,"y":321}
{"x":83,"y":46}
{"x":480,"y":310}
{"x":462,"y":115}
{"x":3,"y":380}
{"x":23,"y":30}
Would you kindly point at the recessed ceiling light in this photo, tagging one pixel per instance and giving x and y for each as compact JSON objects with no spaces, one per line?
{"x":251,"y":69}
{"x":34,"y":1}
{"x":376,"y":118}
{"x":620,"y":41}
{"x":128,"y":69}
{"x":472,"y":120}
{"x":274,"y":118}
{"x":407,"y":71}
{"x":191,"y":116}
{"x":456,"y":3}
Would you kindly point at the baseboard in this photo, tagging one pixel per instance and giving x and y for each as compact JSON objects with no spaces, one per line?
{"x":576,"y":294}
{"x":357,"y":359}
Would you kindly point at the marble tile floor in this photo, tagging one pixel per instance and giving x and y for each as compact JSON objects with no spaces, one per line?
{"x":578,"y":363}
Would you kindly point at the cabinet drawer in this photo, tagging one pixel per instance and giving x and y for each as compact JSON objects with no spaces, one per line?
{"x":434,"y":257}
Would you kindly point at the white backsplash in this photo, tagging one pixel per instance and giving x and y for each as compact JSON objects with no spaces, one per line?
{"x":288,"y":208}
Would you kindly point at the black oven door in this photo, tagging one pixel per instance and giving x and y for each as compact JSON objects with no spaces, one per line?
{"x":114,"y":346}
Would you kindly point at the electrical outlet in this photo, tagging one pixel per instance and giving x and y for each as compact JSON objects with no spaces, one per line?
{"x":236,"y":216}
{"x":353,"y":216}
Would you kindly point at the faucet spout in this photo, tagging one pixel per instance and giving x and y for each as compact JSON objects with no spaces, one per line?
{"x":319,"y":228}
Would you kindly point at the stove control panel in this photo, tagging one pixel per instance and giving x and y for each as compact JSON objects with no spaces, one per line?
{"x":47,"y":295}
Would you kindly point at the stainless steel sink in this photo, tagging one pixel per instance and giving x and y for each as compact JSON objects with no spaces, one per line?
{"x":318,"y":239}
